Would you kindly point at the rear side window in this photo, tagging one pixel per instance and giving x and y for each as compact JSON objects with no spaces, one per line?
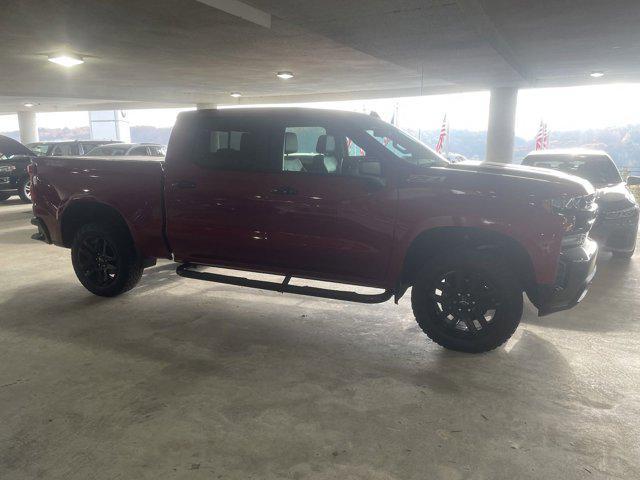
{"x":39,"y":148}
{"x":231,"y":147}
{"x":157,"y":151}
{"x":86,"y":147}
{"x":65,"y":149}
{"x":139,"y":151}
{"x":107,"y":152}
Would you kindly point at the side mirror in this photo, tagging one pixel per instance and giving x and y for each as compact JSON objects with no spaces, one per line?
{"x":370,"y":168}
{"x":633,"y":180}
{"x":371,"y":171}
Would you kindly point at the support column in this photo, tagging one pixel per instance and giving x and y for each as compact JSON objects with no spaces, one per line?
{"x":502,"y":122}
{"x":109,"y":125}
{"x":28,"y":127}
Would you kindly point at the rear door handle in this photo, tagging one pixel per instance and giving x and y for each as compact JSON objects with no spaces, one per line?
{"x":284,"y":191}
{"x":183,"y":184}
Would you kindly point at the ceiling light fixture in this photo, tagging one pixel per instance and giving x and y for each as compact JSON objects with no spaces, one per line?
{"x":284,"y":75}
{"x":66,"y":59}
{"x":29,"y":104}
{"x":597,"y":74}
{"x":236,"y":94}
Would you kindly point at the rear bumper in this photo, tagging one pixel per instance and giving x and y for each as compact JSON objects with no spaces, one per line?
{"x":576,"y":269}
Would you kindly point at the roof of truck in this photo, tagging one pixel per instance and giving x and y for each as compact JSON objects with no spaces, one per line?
{"x":271,"y":112}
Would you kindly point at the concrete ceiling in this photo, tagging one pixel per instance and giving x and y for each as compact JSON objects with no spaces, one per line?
{"x":147,"y":53}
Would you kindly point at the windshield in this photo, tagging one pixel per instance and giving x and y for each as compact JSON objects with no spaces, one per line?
{"x":405,"y":147}
{"x":598,"y":169}
{"x":38,"y":148}
{"x":107,"y":151}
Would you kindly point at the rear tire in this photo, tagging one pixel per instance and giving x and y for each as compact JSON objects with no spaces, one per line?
{"x":24,"y":190}
{"x":467,"y":300}
{"x":5,"y":196}
{"x":105,"y":260}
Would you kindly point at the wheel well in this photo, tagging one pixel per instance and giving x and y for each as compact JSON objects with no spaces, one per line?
{"x":431,"y":242}
{"x":78,"y":214}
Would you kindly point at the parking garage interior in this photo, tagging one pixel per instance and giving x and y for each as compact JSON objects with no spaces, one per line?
{"x":187,"y":379}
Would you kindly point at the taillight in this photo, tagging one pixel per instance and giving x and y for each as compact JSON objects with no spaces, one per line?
{"x":31,"y":170}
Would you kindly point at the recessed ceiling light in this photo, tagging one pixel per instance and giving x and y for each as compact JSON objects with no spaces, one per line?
{"x":236,"y":94}
{"x":66,"y":59}
{"x":597,"y":74}
{"x":284,"y":75}
{"x":29,"y":104}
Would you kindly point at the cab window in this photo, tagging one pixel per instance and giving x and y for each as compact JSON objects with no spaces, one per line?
{"x":404,"y":147}
{"x":354,"y":150}
{"x":231,"y":146}
{"x":320,"y":150}
{"x":309,"y":150}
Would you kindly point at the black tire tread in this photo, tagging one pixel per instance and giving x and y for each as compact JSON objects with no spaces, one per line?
{"x":133,"y":264}
{"x":501,"y":270}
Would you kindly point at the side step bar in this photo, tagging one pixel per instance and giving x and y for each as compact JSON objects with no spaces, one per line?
{"x":189,"y":270}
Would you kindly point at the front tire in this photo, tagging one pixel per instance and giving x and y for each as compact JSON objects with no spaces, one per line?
{"x":5,"y":196}
{"x":24,"y":190}
{"x":467,"y":300}
{"x":105,"y":260}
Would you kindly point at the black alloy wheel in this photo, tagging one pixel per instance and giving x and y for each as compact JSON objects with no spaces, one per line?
{"x":464,"y":303}
{"x":467,"y":300}
{"x":98,"y":261}
{"x":24,"y":190}
{"x":105,"y":259}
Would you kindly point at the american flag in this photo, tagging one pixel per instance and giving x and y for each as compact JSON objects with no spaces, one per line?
{"x":358,"y":151}
{"x":444,"y":131}
{"x":542,"y":137}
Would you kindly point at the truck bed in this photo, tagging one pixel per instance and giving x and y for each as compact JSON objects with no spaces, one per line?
{"x":133,"y":187}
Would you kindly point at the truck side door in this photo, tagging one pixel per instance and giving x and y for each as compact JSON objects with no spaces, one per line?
{"x":216,"y":192}
{"x":334,"y":206}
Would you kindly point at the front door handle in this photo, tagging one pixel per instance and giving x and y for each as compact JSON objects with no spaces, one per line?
{"x":284,"y":191}
{"x":183,"y":184}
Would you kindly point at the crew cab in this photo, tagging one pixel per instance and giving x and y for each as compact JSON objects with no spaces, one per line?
{"x":331,"y":196}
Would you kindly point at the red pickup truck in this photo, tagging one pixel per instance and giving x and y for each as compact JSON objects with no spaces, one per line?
{"x":332,"y":196}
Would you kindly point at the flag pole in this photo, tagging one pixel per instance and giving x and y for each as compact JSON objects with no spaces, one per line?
{"x":448,"y":138}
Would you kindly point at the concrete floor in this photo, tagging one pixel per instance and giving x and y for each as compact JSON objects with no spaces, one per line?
{"x":181,"y":379}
